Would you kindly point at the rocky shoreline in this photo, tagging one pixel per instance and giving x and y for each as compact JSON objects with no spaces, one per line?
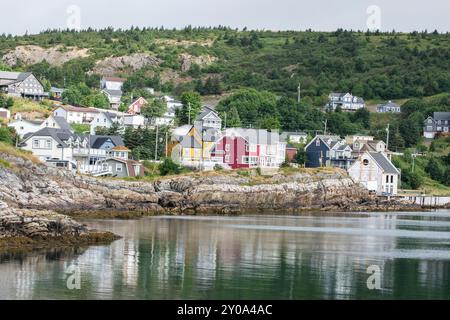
{"x":35,"y":200}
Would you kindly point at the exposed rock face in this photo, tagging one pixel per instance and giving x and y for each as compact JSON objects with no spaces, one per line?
{"x":55,"y":56}
{"x":41,"y":188}
{"x":187,"y":60}
{"x":110,"y":66}
{"x":32,"y":224}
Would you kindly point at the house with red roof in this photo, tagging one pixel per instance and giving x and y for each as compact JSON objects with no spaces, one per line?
{"x":135,"y":107}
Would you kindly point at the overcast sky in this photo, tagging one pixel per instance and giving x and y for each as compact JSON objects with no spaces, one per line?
{"x":402,"y":15}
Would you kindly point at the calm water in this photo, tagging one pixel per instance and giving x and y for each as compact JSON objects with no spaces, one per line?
{"x":248,"y":257}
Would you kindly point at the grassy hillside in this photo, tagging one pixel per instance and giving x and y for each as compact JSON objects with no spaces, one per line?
{"x":373,"y":65}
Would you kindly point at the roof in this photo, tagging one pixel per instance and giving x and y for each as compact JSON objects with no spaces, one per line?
{"x":389,"y":104}
{"x":384,"y":163}
{"x":114,"y":93}
{"x":79,"y":109}
{"x":441,"y":116}
{"x":190,"y":142}
{"x":97,"y":141}
{"x":182,"y":131}
{"x":206,"y":111}
{"x":120,"y":148}
{"x":62,"y":123}
{"x":60,"y":136}
{"x":57,"y":90}
{"x":114,"y":79}
{"x":255,"y":136}
{"x":13,"y":77}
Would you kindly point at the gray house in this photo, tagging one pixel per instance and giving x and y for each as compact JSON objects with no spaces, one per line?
{"x":438,"y":123}
{"x":21,"y":84}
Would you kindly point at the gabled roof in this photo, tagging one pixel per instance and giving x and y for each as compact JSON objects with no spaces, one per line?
{"x":384,"y":163}
{"x":62,"y":123}
{"x":60,"y":136}
{"x":206,"y":111}
{"x":97,"y":141}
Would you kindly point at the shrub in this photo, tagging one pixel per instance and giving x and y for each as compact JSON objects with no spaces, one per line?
{"x":168,"y":167}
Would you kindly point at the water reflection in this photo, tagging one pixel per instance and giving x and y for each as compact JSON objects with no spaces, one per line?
{"x":255,"y":257}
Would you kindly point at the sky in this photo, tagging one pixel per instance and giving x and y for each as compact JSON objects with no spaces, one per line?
{"x":33,"y":16}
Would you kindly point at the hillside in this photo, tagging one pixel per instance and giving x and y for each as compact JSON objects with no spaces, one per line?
{"x":372,"y":65}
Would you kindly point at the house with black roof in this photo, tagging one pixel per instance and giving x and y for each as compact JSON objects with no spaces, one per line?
{"x":439,"y":123}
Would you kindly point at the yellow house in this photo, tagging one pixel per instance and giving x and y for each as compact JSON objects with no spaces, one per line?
{"x":188,"y":145}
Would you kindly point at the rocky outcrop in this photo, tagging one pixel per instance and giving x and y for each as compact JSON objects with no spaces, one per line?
{"x":32,"y":223}
{"x":35,"y":187}
{"x":55,"y":56}
{"x":29,"y":186}
{"x":133,"y":62}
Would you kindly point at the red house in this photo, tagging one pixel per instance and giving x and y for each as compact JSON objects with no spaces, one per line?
{"x":135,"y":107}
{"x":250,"y":148}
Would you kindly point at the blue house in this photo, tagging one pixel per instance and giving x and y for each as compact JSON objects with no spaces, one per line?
{"x":328,"y":151}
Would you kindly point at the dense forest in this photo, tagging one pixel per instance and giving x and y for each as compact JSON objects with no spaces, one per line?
{"x":373,"y":65}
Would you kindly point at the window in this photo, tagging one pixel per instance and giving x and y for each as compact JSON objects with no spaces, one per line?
{"x":227,"y":158}
{"x":429,"y":128}
{"x":48,"y":144}
{"x":227,"y":147}
{"x":119,"y":167}
{"x":387,"y":179}
{"x":365,"y":162}
{"x":318,"y":143}
{"x":247,"y":148}
{"x":392,"y":179}
{"x":35,"y":144}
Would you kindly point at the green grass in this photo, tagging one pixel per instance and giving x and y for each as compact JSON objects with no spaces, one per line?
{"x":4,"y":163}
{"x":80,"y":128}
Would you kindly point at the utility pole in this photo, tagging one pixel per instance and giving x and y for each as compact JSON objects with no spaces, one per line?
{"x":156,"y":145}
{"x":387,"y":137}
{"x":413,"y":156}
{"x":189,"y":109}
{"x":166,"y":142}
{"x":299,"y":93}
{"x":326,"y":125}
{"x":225,"y":121}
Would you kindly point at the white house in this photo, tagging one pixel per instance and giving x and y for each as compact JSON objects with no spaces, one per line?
{"x":168,"y":118}
{"x":133,"y":120}
{"x":24,"y":127}
{"x":76,"y":114}
{"x":112,"y":88}
{"x":345,"y":101}
{"x":376,"y":172}
{"x":105,"y":120}
{"x":88,"y":152}
{"x":389,"y":107}
{"x":209,"y":119}
{"x":294,"y":137}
